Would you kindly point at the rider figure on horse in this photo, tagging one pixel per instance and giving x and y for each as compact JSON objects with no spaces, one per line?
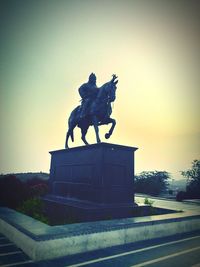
{"x":88,"y":92}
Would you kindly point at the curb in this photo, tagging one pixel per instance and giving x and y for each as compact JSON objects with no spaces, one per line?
{"x":41,"y":242}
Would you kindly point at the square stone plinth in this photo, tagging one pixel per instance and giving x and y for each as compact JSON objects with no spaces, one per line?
{"x":93,"y":177}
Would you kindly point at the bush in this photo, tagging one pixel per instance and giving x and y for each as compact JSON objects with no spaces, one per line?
{"x":148,"y":202}
{"x":181,"y":195}
{"x":33,"y":207}
{"x":13,"y":191}
{"x":39,"y":189}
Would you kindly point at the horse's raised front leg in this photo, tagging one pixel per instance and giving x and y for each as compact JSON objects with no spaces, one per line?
{"x":84,"y":132}
{"x":96,"y":128}
{"x":110,"y":120}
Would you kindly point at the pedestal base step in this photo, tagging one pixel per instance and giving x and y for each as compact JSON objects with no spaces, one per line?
{"x":60,"y":209}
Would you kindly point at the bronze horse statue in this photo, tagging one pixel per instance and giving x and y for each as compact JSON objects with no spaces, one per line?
{"x":98,"y":114}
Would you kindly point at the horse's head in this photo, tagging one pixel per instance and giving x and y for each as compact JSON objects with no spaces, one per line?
{"x":106,"y":92}
{"x":111,"y":89}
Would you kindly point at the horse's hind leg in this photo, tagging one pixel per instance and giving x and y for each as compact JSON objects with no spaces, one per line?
{"x":83,"y":132}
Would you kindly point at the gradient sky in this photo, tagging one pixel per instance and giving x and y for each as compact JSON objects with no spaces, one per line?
{"x":49,"y":48}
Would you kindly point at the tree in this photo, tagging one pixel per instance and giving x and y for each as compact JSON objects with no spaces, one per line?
{"x":12,"y":191}
{"x":193,"y":179}
{"x":152,"y":182}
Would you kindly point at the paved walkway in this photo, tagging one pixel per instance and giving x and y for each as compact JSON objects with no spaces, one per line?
{"x":169,"y":204}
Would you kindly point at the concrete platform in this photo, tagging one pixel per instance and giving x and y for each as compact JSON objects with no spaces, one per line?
{"x":40,"y":241}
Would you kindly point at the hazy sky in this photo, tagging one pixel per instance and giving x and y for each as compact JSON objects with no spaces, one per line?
{"x":49,"y":48}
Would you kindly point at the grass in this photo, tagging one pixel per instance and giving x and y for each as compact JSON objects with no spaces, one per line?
{"x":148,"y":202}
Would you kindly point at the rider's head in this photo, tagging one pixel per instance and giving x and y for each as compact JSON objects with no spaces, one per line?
{"x":92,"y":78}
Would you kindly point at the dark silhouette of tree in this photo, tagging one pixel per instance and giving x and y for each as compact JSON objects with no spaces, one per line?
{"x":193,"y":179}
{"x":151,"y":182}
{"x":12,"y":191}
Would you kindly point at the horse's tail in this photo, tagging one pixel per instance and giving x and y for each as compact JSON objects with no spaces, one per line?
{"x":71,"y":126}
{"x":72,"y":122}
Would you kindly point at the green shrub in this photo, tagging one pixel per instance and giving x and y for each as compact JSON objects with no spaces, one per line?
{"x":148,"y":202}
{"x":33,"y":207}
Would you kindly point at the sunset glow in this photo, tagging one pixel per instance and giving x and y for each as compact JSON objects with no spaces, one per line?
{"x":49,"y":48}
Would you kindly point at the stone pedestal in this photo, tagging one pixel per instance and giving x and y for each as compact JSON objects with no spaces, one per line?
{"x":92,"y":181}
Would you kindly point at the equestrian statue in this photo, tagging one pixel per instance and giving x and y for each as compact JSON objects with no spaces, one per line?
{"x":95,"y":108}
